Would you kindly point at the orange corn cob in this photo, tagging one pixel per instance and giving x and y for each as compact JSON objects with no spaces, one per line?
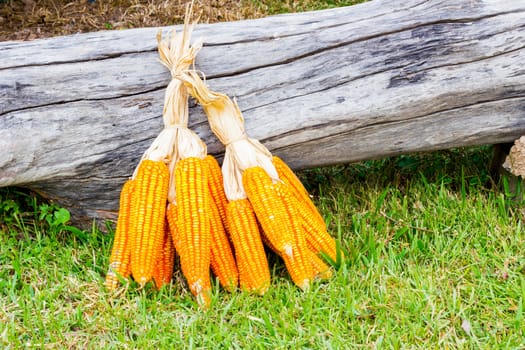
{"x":164,"y":268}
{"x":268,"y":208}
{"x":288,"y":176}
{"x":147,"y":218}
{"x":317,"y":237}
{"x":320,"y":269}
{"x":120,"y":252}
{"x":280,"y":224}
{"x":254,"y":273}
{"x":194,"y":226}
{"x":215,"y":182}
{"x":222,"y":261}
{"x":298,"y":263}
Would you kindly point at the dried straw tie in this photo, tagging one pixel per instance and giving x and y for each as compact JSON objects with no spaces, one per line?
{"x":227,"y":123}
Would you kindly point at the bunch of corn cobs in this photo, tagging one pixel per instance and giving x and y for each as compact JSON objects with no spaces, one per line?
{"x":179,"y":202}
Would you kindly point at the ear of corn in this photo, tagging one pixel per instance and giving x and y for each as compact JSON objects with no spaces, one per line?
{"x":164,"y":268}
{"x":268,"y":208}
{"x":194,"y":229}
{"x":296,"y":186}
{"x":119,"y":264}
{"x":317,"y":237}
{"x":320,"y":269}
{"x":147,"y":218}
{"x":298,"y":262}
{"x":222,"y":262}
{"x":254,"y":273}
{"x":216,"y":185}
{"x":280,"y":224}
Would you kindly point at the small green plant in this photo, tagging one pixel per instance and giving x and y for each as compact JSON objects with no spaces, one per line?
{"x":57,"y":219}
{"x":22,"y":210}
{"x":16,"y":206}
{"x":9,"y":210}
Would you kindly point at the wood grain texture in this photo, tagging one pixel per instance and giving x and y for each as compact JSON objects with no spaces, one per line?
{"x":318,"y":88}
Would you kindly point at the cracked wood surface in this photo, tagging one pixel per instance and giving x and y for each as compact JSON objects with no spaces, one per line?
{"x":368,"y":81}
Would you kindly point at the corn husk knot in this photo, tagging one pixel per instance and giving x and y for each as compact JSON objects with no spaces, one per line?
{"x":227,"y":123}
{"x":176,"y":141}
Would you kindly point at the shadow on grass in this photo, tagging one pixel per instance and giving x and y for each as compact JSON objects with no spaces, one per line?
{"x":451,"y":167}
{"x":460,"y":169}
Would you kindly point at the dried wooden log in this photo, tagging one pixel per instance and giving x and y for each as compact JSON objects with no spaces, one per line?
{"x":378,"y":79}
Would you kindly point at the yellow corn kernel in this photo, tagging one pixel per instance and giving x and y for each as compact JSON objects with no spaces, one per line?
{"x":254,"y":273}
{"x":194,"y":229}
{"x":120,"y":253}
{"x":147,"y":218}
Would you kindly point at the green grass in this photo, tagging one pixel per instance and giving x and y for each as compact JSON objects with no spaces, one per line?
{"x":278,"y":6}
{"x":435,"y":259}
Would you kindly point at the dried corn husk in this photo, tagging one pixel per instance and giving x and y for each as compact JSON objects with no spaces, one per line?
{"x":227,"y":123}
{"x":176,"y":141}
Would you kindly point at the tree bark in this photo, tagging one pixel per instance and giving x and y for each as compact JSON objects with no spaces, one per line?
{"x":318,"y":88}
